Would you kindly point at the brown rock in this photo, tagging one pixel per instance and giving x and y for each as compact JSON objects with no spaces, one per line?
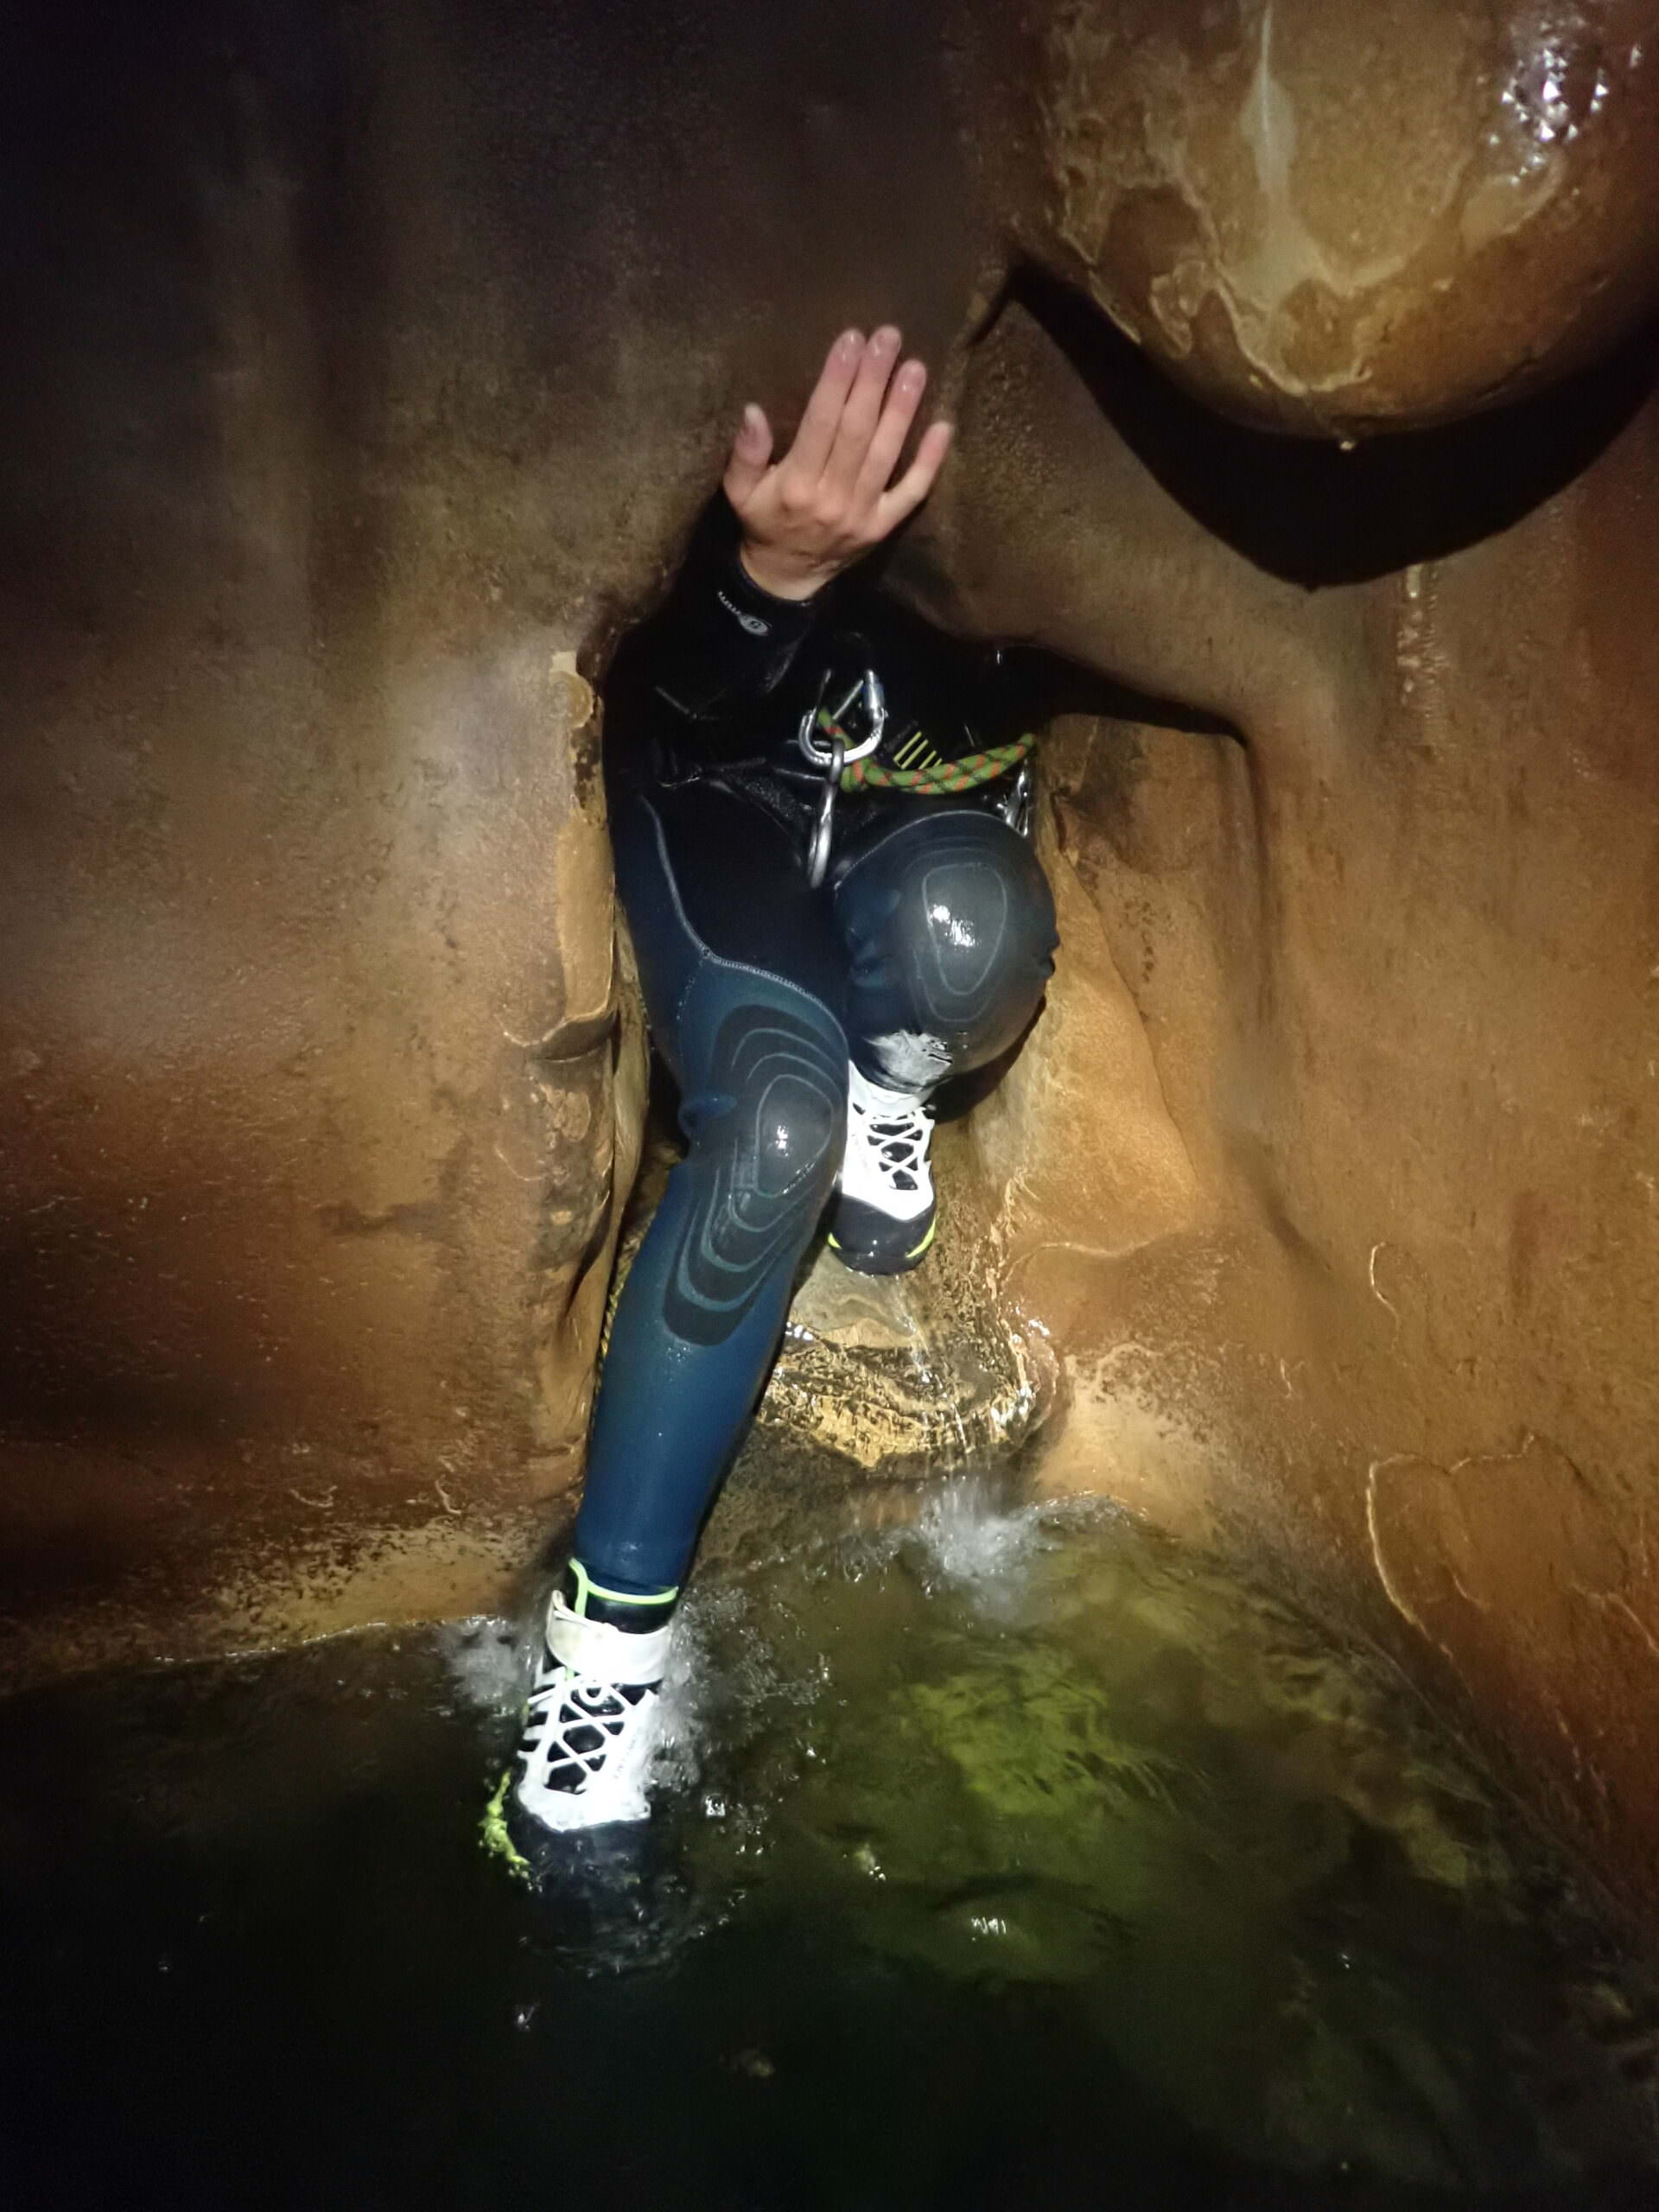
{"x":367,"y":372}
{"x":1325,"y":215}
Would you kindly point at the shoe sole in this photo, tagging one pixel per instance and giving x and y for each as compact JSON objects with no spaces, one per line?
{"x":536,"y":1854}
{"x":874,"y":1263}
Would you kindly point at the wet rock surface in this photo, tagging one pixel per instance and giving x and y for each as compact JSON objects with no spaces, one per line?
{"x":911,"y":1375}
{"x":1323,"y":215}
{"x":1383,"y":1152}
{"x":370,"y":368}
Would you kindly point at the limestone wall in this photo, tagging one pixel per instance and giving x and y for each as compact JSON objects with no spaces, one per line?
{"x":364,"y":371}
{"x":1331,"y":1173}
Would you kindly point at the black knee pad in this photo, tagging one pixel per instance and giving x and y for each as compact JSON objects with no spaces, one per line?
{"x":778,"y":1128}
{"x":767,"y":1129}
{"x":951,"y":924}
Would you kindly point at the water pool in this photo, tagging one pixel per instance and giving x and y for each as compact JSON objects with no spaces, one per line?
{"x":1013,"y":1857}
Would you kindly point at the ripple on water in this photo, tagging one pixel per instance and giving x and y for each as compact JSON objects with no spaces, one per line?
{"x":1009,"y":1854}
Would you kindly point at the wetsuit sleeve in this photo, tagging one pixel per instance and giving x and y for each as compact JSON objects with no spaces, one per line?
{"x":720,"y":642}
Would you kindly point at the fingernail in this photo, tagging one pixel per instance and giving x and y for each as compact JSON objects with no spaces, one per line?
{"x":751,"y":418}
{"x":849,"y":343}
{"x":885,"y":339}
{"x":912,"y":373}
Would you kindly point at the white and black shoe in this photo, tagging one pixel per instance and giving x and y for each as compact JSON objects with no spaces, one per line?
{"x":592,"y":1723}
{"x":885,"y":1214}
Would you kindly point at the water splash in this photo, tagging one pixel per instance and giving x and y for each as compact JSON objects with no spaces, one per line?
{"x":970,"y":1538}
{"x":1014,"y":1795}
{"x":488,"y":1660}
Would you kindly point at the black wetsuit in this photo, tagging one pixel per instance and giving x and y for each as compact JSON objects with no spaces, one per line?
{"x":924,"y":953}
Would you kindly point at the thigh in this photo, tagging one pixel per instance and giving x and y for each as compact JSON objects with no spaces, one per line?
{"x":709,"y":881}
{"x":947,"y":924}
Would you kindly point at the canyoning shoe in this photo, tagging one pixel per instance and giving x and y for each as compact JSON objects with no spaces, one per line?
{"x":591,"y":1727}
{"x":885,"y":1213}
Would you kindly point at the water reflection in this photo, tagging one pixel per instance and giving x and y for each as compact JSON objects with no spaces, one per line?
{"x":1009,"y":1854}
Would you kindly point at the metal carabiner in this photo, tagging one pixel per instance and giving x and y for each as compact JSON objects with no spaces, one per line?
{"x":876,"y":712}
{"x":868,"y":686}
{"x":1016,"y":806}
{"x":824,"y":830}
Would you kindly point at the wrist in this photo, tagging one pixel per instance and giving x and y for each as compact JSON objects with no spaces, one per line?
{"x":778,"y":579}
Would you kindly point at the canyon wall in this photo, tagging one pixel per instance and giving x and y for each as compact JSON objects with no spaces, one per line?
{"x":1357,"y":1258}
{"x":367,"y":373}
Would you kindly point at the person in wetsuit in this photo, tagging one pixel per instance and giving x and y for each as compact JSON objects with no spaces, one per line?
{"x":833,"y":908}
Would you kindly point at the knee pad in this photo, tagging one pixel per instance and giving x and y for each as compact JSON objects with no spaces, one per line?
{"x":767,"y":1125}
{"x":774,"y":1117}
{"x":952,"y":928}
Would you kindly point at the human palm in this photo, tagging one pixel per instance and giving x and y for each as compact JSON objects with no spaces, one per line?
{"x":831,"y":497}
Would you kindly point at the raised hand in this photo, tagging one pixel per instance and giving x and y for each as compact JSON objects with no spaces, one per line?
{"x":829,"y":500}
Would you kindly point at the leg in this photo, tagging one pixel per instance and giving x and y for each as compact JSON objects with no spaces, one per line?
{"x":948,"y":928}
{"x":742,"y":982}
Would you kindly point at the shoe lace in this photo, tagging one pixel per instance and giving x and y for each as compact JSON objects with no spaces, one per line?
{"x":583,"y":1694}
{"x":898,"y":1143}
{"x":579,"y":1717}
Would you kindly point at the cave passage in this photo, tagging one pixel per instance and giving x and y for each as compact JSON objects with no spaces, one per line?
{"x":363,"y":363}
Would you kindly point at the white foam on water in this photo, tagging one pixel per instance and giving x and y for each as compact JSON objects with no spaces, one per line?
{"x":488,"y":1660}
{"x":739,"y":1675}
{"x":969,"y":1542}
{"x":683,"y":1719}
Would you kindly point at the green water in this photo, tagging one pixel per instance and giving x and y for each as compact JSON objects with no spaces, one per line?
{"x":1012,"y":1859}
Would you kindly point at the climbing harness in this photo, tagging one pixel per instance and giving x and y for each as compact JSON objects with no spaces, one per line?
{"x":848,"y":765}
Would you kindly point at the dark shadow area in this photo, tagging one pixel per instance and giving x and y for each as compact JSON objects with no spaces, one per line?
{"x":957,"y":1098}
{"x":1309,"y":510}
{"x":257,"y":1956}
{"x":1035,"y":686}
